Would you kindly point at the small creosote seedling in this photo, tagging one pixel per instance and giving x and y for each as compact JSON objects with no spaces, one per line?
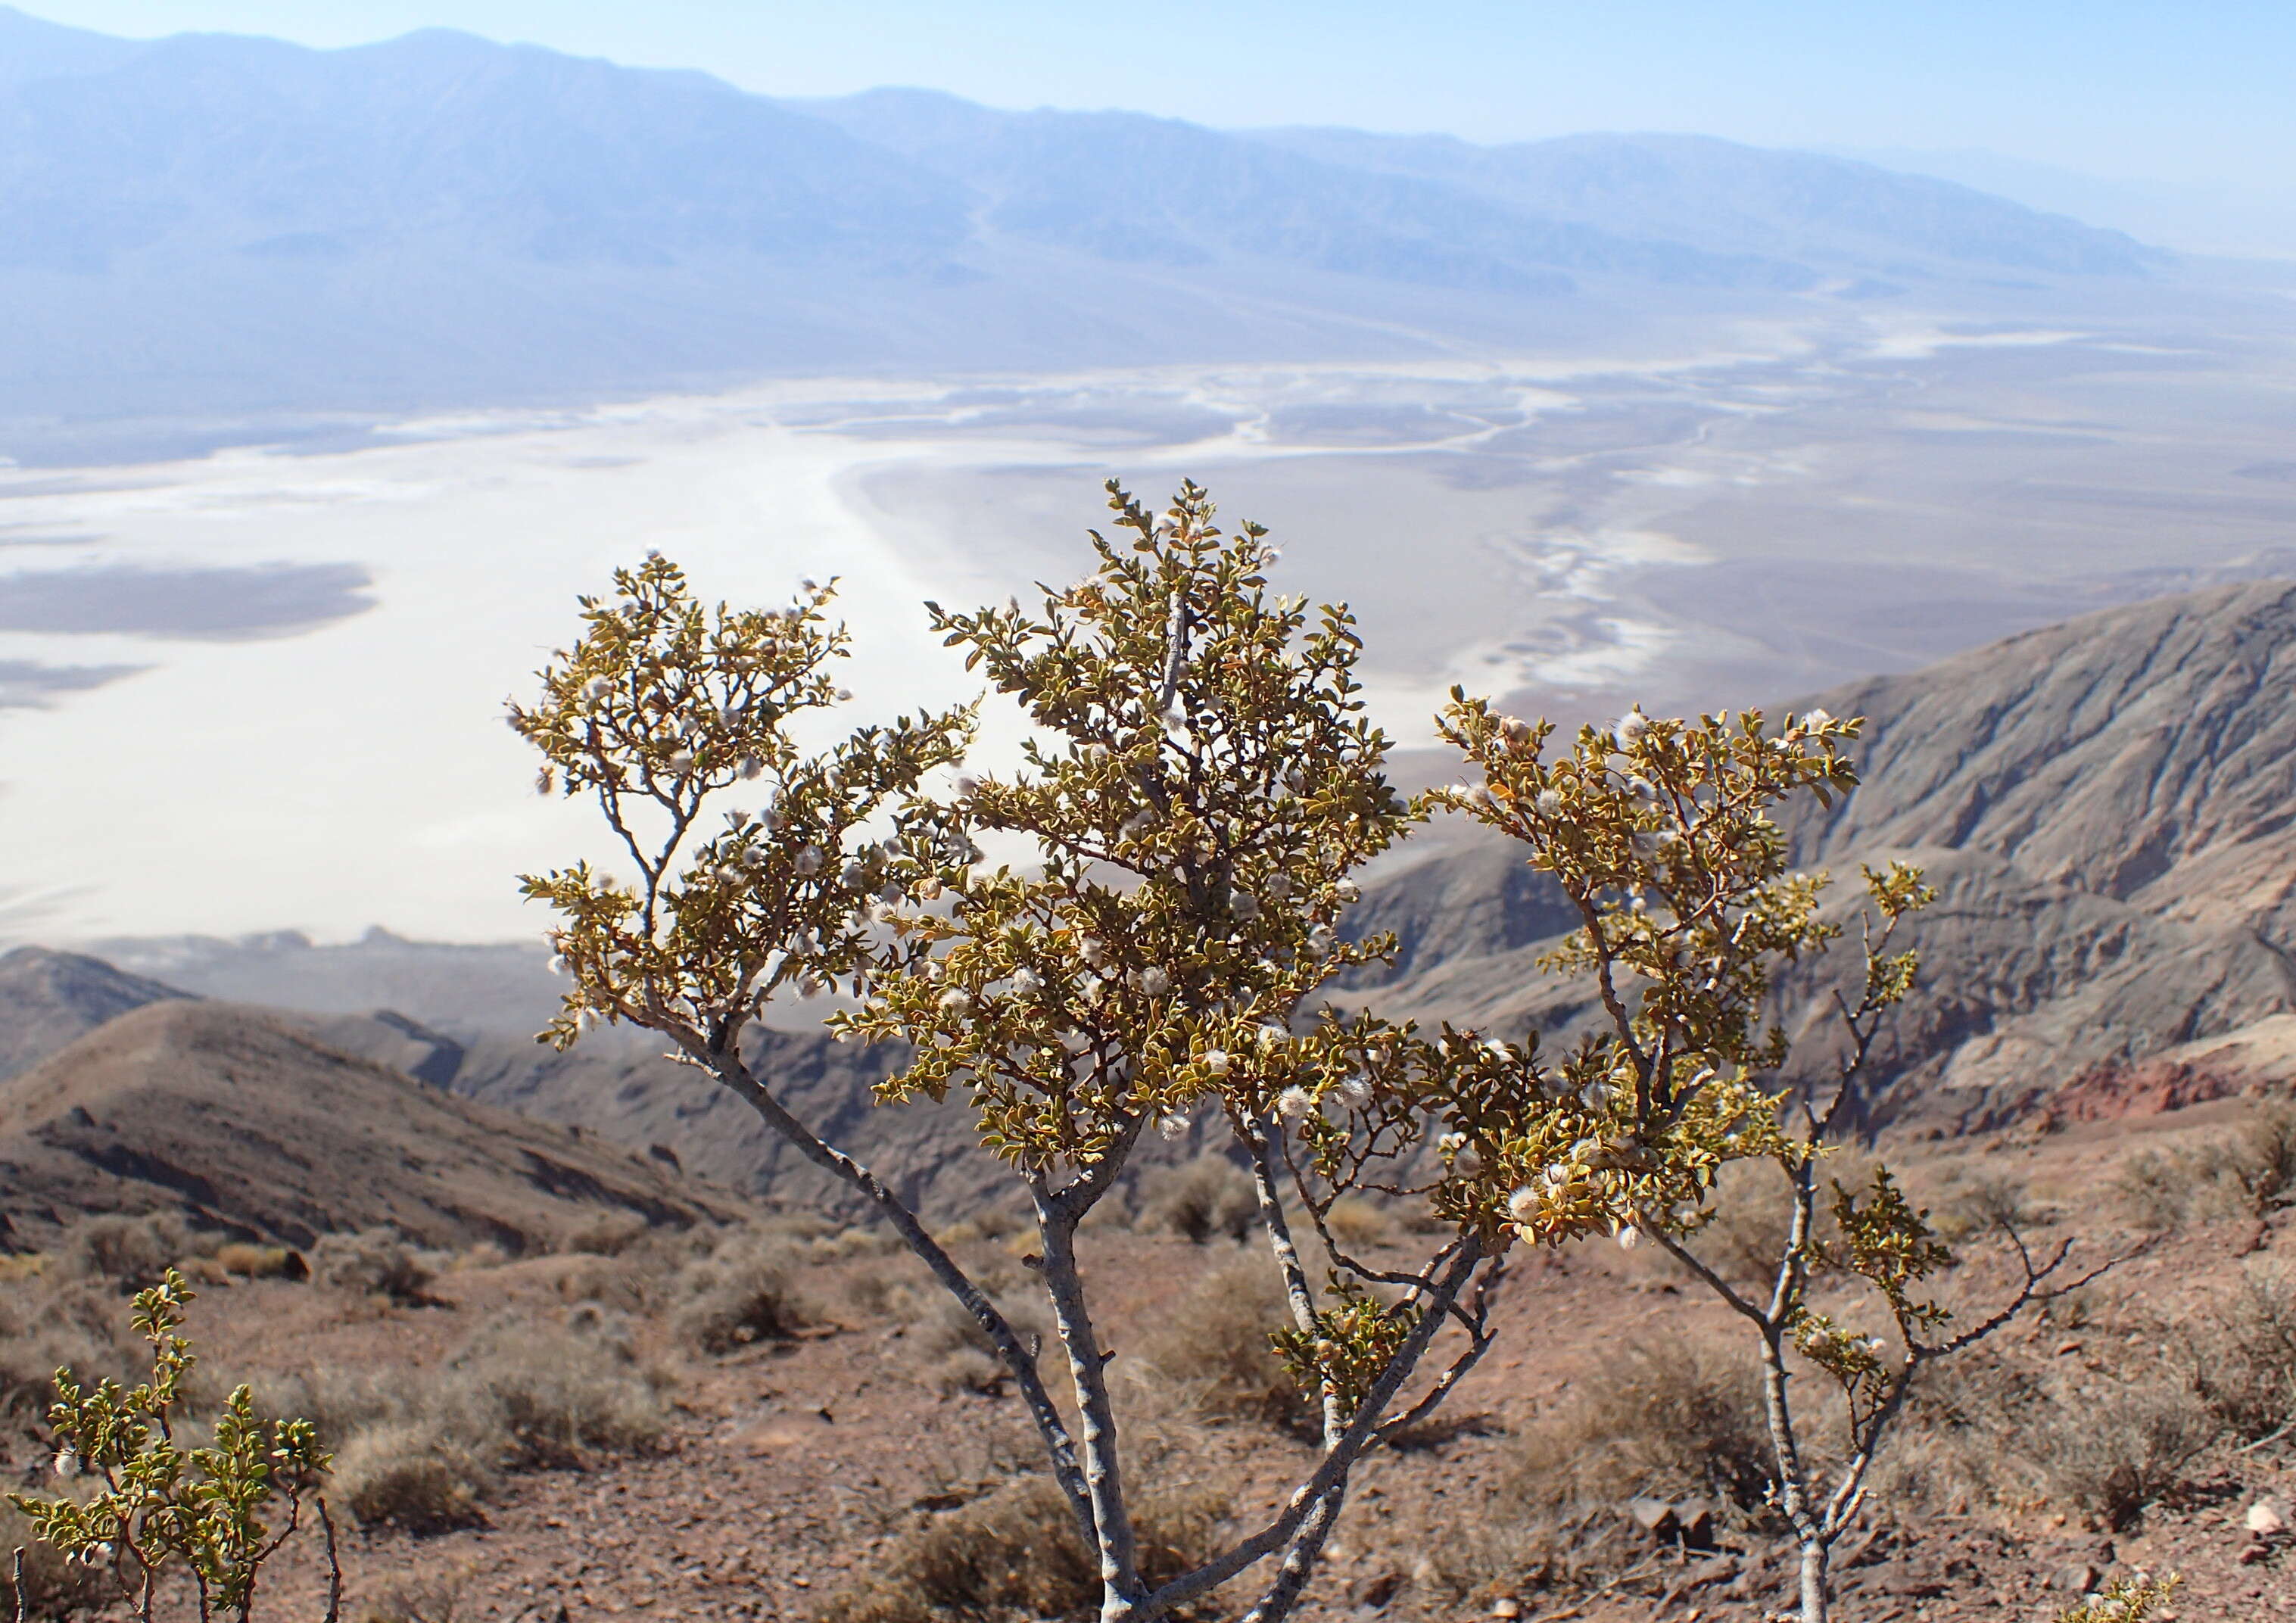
{"x":139,"y":1505}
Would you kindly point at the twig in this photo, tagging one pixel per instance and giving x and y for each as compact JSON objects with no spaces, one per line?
{"x":23,"y":1608}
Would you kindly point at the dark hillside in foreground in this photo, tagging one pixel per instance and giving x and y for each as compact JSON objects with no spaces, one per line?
{"x":239,"y":1121}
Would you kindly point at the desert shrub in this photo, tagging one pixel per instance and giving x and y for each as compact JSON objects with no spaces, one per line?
{"x":44,"y":1327}
{"x":1753,"y":1216}
{"x":440,"y":1596}
{"x":1984,"y":1201}
{"x":1357,"y":1224}
{"x":746,"y":1290}
{"x":2112,"y":1451}
{"x":544,"y":1396}
{"x":2242,"y":1352}
{"x":1014,"y":1553}
{"x":2250,"y":1171}
{"x":426,"y":1448}
{"x":1213,"y":1344}
{"x":372,"y":1262}
{"x":606,"y":1235}
{"x":1682,"y":1418}
{"x":248,"y":1261}
{"x":412,"y":1474}
{"x":1208,"y":1196}
{"x":132,"y":1253}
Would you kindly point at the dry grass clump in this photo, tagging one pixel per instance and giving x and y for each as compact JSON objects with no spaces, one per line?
{"x":372,"y":1262}
{"x":1014,"y":1553}
{"x":425,"y":1449}
{"x":745,"y":1291}
{"x":1200,"y":1200}
{"x":1212,"y":1346}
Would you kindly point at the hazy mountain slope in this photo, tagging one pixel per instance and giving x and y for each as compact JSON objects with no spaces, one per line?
{"x":1725,"y":197}
{"x":1131,"y":188}
{"x":228,"y":145}
{"x":2107,"y":806}
{"x":240,"y":1121}
{"x":50,"y":1000}
{"x":211,"y":224}
{"x":31,"y":48}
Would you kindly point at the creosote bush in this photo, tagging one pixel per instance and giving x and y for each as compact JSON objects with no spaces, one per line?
{"x":1198,"y":788}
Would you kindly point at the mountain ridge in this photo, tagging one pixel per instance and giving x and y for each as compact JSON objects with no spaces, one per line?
{"x":220,"y":223}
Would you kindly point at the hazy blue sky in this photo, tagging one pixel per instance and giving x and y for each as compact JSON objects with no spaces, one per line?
{"x":2197,"y":91}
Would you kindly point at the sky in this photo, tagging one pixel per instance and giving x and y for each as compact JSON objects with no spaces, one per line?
{"x":2189,"y":92}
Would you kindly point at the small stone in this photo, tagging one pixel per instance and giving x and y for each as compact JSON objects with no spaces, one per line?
{"x":1656,"y":1517}
{"x":1506,"y":1606}
{"x":2268,"y":1518}
{"x":2254,"y":1554}
{"x":1374,"y":1590}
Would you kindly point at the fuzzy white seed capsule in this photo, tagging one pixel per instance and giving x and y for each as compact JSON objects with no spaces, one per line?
{"x":1173,"y":1125}
{"x":1522,"y":1205}
{"x":844,"y":695}
{"x":1479,"y":797}
{"x":1153,"y":982}
{"x":596,"y":688}
{"x":1549,"y":803}
{"x":855,"y":876}
{"x":967,"y":786}
{"x":680,"y":760}
{"x":1814,"y":719}
{"x":1629,"y":1237}
{"x":1346,"y":891}
{"x":1093,"y":952}
{"x":1629,"y":729}
{"x":1514,"y":729}
{"x":955,"y":1001}
{"x":1243,"y":905}
{"x":769,"y":821}
{"x":1356,"y":1090}
{"x":809,"y":861}
{"x":1271,"y":1033}
{"x":67,"y":1463}
{"x":1321,"y":941}
{"x":1026,"y":981}
{"x":1292,"y":1103}
{"x":1215,"y":1062}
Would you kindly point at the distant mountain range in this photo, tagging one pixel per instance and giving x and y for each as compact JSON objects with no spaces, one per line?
{"x":211,"y":222}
